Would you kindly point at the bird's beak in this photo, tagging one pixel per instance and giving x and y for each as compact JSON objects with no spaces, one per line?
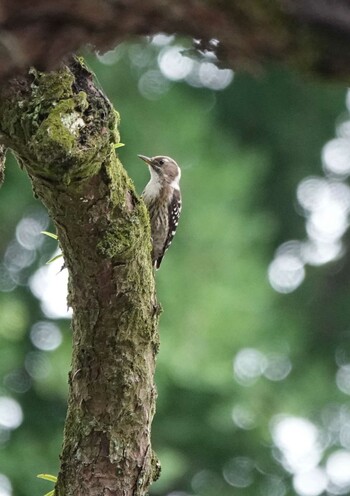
{"x":145,"y":159}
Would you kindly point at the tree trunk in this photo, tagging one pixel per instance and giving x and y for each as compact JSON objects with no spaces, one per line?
{"x":64,"y":133}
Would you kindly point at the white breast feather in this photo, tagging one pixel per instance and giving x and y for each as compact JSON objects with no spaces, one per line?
{"x":153,"y":188}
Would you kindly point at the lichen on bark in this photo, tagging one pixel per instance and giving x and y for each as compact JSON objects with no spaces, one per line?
{"x":63,"y":131}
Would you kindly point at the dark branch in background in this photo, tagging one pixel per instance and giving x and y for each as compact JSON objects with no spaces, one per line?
{"x":311,"y":35}
{"x":63,"y":132}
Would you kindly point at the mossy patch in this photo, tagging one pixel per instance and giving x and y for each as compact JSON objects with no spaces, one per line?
{"x":121,"y":239}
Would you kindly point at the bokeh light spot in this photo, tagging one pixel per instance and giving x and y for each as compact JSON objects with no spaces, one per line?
{"x":11,"y":415}
{"x":272,"y":485}
{"x":28,"y":230}
{"x":140,"y":55}
{"x":5,"y":486}
{"x":343,"y":378}
{"x":7,"y":283}
{"x":336,"y":157}
{"x":311,"y":192}
{"x":338,"y":470}
{"x":111,"y":57}
{"x":326,"y":206}
{"x":286,"y":272}
{"x":298,"y":441}
{"x":17,"y":380}
{"x":17,"y":258}
{"x":49,"y":284}
{"x":343,"y":126}
{"x":173,"y":64}
{"x":46,"y":336}
{"x":239,"y":472}
{"x":311,"y":483}
{"x":153,"y":85}
{"x":243,"y":417}
{"x":248,"y":365}
{"x":37,"y":365}
{"x":214,"y":78}
{"x":162,"y":39}
{"x":320,"y":253}
{"x":206,"y":483}
{"x":278,"y":367}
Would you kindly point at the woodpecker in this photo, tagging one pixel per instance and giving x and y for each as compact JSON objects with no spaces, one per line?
{"x":162,"y":197}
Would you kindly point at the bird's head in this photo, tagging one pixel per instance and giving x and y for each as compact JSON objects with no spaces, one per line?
{"x":163,"y":169}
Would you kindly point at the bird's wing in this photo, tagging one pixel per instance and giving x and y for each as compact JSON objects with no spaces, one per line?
{"x":174,"y":210}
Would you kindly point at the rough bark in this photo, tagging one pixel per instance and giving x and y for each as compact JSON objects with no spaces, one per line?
{"x":311,"y":35}
{"x":63,"y":131}
{"x":2,"y":164}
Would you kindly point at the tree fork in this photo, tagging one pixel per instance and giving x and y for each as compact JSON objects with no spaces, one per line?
{"x":63,"y":131}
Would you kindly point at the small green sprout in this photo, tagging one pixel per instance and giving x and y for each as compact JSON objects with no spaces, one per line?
{"x":50,"y":235}
{"x":118,"y":145}
{"x":56,"y":257}
{"x":51,"y":478}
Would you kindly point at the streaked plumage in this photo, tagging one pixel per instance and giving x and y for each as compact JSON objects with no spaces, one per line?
{"x":163,"y":199}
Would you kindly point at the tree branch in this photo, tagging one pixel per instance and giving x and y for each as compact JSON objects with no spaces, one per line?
{"x":63,"y":131}
{"x":310,"y":35}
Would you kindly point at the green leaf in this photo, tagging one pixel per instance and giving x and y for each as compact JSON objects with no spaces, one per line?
{"x":51,"y":478}
{"x":50,"y":493}
{"x":54,"y":258}
{"x":119,"y":145}
{"x":50,"y":235}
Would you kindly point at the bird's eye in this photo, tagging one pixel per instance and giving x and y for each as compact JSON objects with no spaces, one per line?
{"x":161,"y":162}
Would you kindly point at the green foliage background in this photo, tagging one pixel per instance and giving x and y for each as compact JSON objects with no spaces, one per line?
{"x":243,"y":152}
